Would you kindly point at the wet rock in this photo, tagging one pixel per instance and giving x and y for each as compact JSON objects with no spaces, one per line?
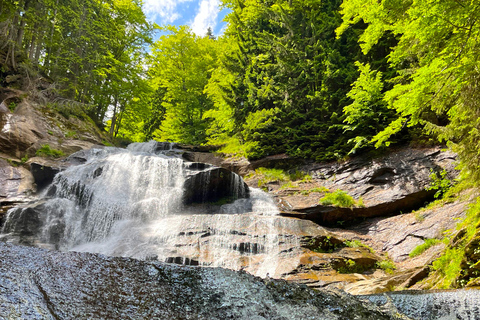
{"x":25,"y":223}
{"x":44,"y":170}
{"x":397,"y":236}
{"x":428,"y":305}
{"x":335,"y":269}
{"x":388,"y":185}
{"x":387,"y":283}
{"x":212,"y":184}
{"x":38,"y":284}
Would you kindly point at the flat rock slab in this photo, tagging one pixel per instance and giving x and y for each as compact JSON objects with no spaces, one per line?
{"x":40,"y":284}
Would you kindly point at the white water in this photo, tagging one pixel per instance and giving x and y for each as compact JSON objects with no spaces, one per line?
{"x":129,"y":203}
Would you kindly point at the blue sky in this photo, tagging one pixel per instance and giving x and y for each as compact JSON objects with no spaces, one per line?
{"x":198,"y":14}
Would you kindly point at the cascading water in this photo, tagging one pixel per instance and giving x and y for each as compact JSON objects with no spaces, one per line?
{"x":138,"y":203}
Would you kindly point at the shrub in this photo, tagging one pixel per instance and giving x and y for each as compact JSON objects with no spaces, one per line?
{"x":46,"y":151}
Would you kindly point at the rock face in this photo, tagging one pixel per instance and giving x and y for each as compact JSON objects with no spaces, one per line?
{"x":30,"y":126}
{"x":16,"y":186}
{"x":39,"y":284}
{"x":17,"y":131}
{"x":397,"y":236}
{"x":389,"y":185}
{"x":16,"y":183}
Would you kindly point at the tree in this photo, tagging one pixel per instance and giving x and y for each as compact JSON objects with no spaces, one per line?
{"x":436,"y":60}
{"x":285,"y":67}
{"x":210,"y":34}
{"x":181,"y":65}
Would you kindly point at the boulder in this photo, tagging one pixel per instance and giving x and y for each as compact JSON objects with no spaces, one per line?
{"x":44,"y":170}
{"x":39,"y":284}
{"x":212,"y":184}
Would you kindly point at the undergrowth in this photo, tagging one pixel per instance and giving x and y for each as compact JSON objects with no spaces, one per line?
{"x":447,"y":270}
{"x":46,"y":151}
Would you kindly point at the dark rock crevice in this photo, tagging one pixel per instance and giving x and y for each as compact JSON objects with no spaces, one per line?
{"x":50,"y":306}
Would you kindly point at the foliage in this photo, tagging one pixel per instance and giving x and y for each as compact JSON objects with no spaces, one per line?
{"x":282,"y":79}
{"x":440,"y":183}
{"x":181,"y":64}
{"x":368,"y":114}
{"x":447,"y":270}
{"x":90,"y":50}
{"x":46,"y":151}
{"x":436,"y":84}
{"x":338,"y":198}
{"x":418,"y":250}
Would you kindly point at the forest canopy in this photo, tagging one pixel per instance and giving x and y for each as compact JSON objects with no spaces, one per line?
{"x":313,"y":79}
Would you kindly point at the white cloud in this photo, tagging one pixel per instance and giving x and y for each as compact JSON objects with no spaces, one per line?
{"x":206,"y":17}
{"x":163,"y":10}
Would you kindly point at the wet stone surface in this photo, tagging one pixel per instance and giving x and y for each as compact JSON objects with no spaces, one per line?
{"x":41,"y":284}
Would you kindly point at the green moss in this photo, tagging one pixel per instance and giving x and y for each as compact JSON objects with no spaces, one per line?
{"x":423,"y":247}
{"x":46,"y":151}
{"x":339,"y":198}
{"x":318,"y":189}
{"x":288,"y":185}
{"x":325,"y":244}
{"x":387,"y":265}
{"x":12,"y":106}
{"x":70,"y":134}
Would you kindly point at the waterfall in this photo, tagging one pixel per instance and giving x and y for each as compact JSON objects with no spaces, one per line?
{"x":141,"y":203}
